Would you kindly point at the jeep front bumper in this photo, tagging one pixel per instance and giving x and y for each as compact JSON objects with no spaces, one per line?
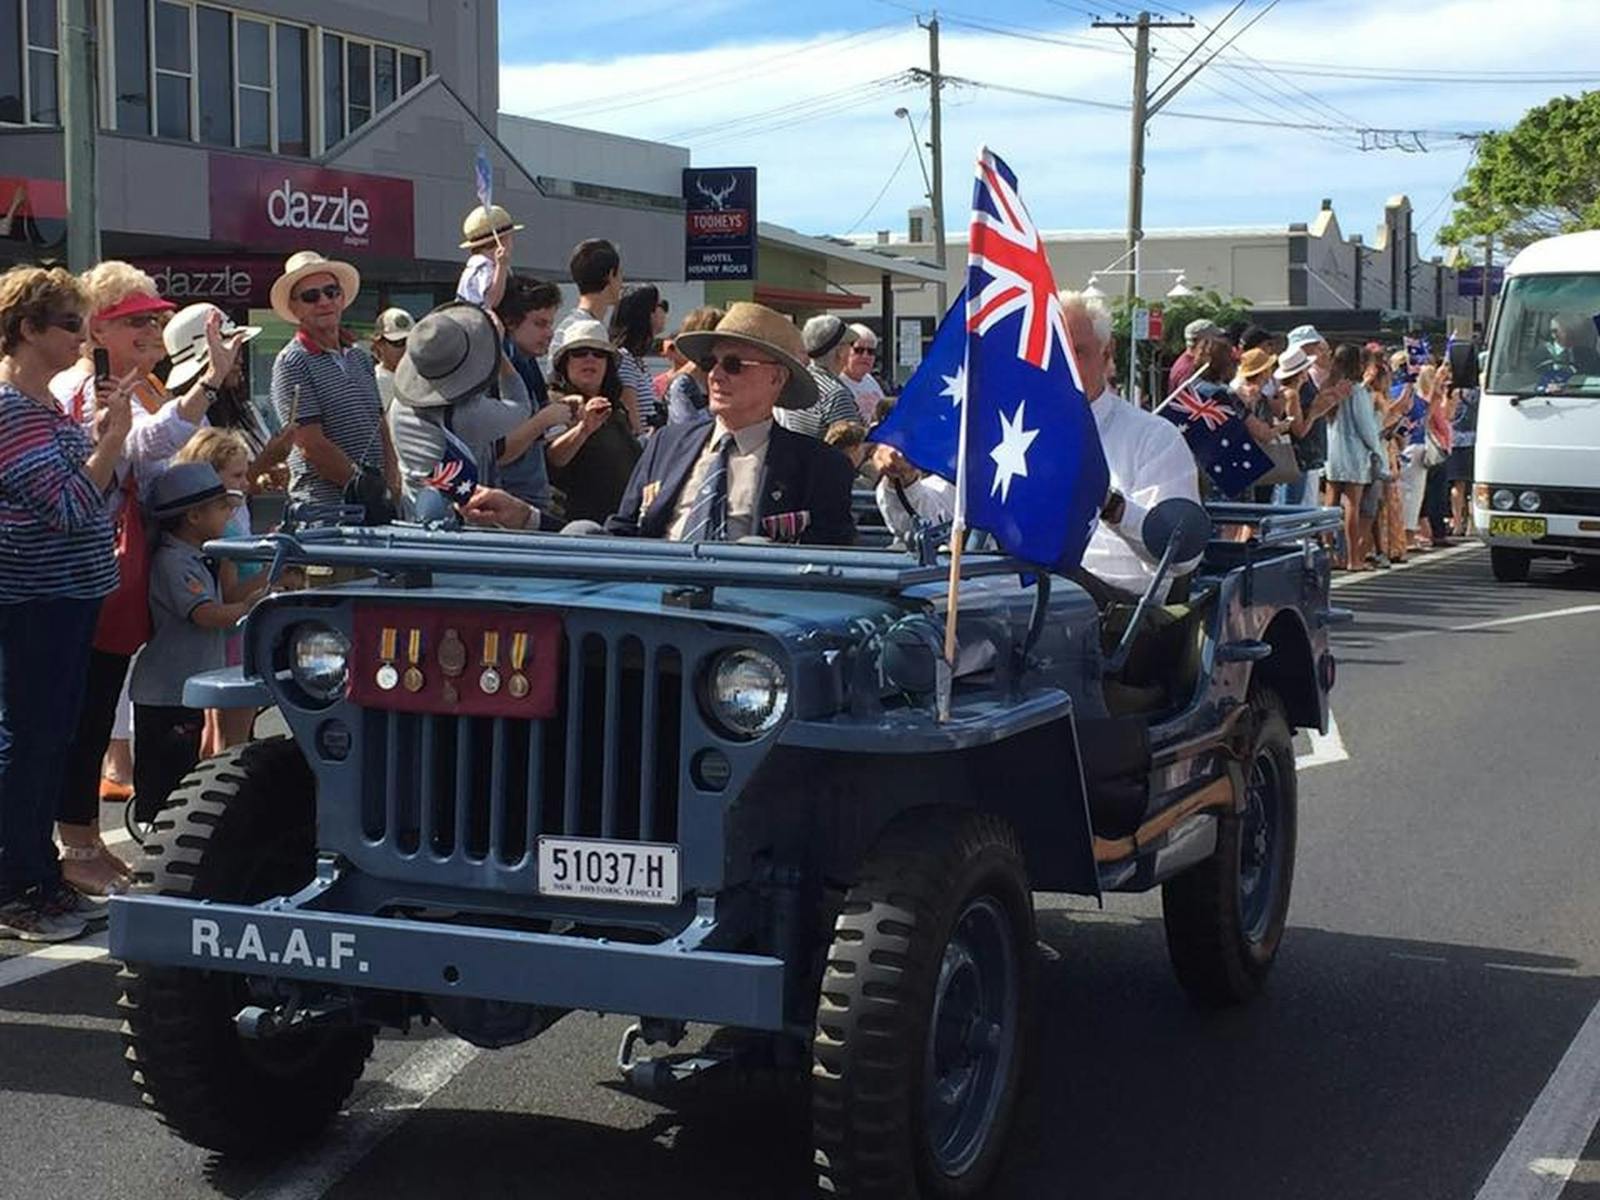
{"x":669,"y":979}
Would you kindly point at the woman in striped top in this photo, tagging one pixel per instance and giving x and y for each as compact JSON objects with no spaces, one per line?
{"x":56,"y":565}
{"x":639,"y":318}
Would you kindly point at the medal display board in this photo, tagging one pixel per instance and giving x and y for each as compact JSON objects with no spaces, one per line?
{"x":475,"y":663}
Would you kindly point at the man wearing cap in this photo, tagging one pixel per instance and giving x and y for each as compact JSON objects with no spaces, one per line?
{"x":1194,"y":334}
{"x":191,"y":625}
{"x":488,"y":233}
{"x":827,"y":341}
{"x":324,"y":385}
{"x":388,"y":348}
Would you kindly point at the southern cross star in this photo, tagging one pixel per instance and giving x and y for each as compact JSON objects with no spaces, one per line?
{"x":955,"y":386}
{"x":1011,"y":455}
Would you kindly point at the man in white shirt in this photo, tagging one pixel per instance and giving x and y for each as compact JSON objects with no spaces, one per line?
{"x":1148,"y":457}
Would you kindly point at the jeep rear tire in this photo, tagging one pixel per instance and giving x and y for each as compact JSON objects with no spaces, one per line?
{"x":1510,"y":565}
{"x":1224,"y":918}
{"x":923,"y":1021}
{"x":240,"y":829}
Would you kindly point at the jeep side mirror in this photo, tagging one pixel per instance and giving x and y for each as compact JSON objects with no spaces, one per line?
{"x":1180,"y":519}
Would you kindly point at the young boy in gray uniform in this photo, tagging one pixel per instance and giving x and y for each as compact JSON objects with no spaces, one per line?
{"x":191,"y":624}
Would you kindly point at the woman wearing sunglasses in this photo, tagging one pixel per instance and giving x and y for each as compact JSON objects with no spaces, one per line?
{"x":591,"y":461}
{"x":127,"y":317}
{"x":56,"y":566}
{"x":857,"y":374}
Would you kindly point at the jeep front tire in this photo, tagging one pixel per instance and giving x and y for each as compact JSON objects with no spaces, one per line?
{"x":240,"y":829}
{"x":922,"y":1024}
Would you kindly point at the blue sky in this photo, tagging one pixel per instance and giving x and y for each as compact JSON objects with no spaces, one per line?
{"x":807,"y":94}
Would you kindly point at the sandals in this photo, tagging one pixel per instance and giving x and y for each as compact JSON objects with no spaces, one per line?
{"x":94,"y":870}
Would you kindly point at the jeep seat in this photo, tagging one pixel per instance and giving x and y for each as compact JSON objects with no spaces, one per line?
{"x":1163,"y":667}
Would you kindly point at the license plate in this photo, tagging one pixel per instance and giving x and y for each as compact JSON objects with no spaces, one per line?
{"x":1532,"y":527}
{"x":593,"y":869}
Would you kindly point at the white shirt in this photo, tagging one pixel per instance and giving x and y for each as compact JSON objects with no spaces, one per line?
{"x":1150,"y":462}
{"x":385,"y":378}
{"x":932,"y":499}
{"x":475,"y":279}
{"x":152,"y":440}
{"x":867,"y":392}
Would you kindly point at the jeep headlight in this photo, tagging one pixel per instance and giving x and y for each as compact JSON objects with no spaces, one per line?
{"x":319,"y":660}
{"x":746,"y":693}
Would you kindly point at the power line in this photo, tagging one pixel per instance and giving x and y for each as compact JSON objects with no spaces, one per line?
{"x":905,"y":157}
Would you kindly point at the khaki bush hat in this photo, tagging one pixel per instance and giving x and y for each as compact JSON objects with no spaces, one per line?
{"x":452,"y":353}
{"x":759,"y":326}
{"x":483,"y":224}
{"x":305,"y":263}
{"x":185,"y":339}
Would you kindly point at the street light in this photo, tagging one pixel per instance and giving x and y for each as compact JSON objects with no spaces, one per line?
{"x":1181,"y":290}
{"x":904,"y":114}
{"x":1093,"y":292}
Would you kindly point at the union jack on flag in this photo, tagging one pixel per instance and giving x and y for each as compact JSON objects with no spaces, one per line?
{"x":457,"y":473}
{"x":1199,"y":408}
{"x":1009,"y":269}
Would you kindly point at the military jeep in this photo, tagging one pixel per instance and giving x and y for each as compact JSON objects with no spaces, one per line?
{"x":729,"y":784}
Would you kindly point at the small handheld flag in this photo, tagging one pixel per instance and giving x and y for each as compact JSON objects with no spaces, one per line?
{"x":457,"y":473}
{"x":484,"y":176}
{"x":1220,"y":441}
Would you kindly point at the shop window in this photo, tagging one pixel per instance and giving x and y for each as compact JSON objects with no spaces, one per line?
{"x":294,"y":103}
{"x":29,"y":63}
{"x":253,"y":46}
{"x":130,"y":23}
{"x":12,"y":110}
{"x":174,"y":71}
{"x":383,"y":79}
{"x":214,"y":62}
{"x":332,"y":89}
{"x":359,"y":84}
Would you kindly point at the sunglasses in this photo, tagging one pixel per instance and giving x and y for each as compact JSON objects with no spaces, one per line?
{"x":731,"y":363}
{"x":330,"y":291}
{"x":140,"y":321}
{"x":587,"y":352}
{"x":869,"y":351}
{"x":71,"y":322}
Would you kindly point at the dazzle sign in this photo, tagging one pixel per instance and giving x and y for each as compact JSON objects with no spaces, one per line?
{"x":268,"y":203}
{"x":720,"y":223}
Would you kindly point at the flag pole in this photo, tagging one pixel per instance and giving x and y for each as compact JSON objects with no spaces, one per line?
{"x":1179,"y":388}
{"x":958,"y":540}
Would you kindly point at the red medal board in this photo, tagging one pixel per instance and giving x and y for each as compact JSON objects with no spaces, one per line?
{"x":471,"y":663}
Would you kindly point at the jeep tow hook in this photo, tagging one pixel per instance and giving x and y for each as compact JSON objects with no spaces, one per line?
{"x":257,"y":1023}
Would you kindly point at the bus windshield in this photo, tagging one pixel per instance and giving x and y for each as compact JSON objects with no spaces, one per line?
{"x":1547,"y":340}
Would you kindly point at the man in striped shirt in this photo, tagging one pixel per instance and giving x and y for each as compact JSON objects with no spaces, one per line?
{"x":324,"y":384}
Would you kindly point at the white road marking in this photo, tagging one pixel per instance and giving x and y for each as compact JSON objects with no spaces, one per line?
{"x":1418,"y":560}
{"x":312,"y":1175}
{"x":1326,"y":748}
{"x":1539,"y":1160}
{"x":1576,"y":610}
{"x":52,"y":958}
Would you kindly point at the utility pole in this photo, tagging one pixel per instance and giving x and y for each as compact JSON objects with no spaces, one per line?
{"x":936,"y":152}
{"x":80,"y":126}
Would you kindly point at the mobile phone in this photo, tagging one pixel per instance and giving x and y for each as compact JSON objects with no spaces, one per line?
{"x":102,"y":365}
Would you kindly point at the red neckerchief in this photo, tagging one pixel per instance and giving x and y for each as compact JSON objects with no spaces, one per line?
{"x":346,"y":340}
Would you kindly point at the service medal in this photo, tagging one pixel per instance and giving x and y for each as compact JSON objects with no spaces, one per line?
{"x":387,"y":678}
{"x":489,"y":681}
{"x":452,"y":654}
{"x":518,"y":686}
{"x":413,"y":679}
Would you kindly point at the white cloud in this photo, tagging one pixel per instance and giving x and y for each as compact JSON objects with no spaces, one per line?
{"x":822,"y":161}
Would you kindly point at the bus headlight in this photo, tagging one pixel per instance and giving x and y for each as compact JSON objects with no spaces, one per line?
{"x":1530,"y":501}
{"x":1504,"y":499}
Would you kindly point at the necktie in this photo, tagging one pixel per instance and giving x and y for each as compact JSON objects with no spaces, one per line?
{"x":708,"y":515}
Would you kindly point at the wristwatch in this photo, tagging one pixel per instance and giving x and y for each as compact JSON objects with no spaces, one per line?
{"x":1111,"y":512}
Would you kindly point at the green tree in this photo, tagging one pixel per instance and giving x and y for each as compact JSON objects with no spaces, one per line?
{"x":1539,"y":178}
{"x":1175,"y":314}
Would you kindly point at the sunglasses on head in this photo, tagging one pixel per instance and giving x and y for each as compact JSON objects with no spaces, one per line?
{"x":71,"y":322}
{"x":731,"y":363}
{"x":587,"y":352}
{"x":330,"y":291}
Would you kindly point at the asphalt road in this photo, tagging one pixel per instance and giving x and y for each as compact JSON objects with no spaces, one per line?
{"x":1443,"y":955}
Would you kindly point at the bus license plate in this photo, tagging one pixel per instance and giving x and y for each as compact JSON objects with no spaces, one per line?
{"x":622,"y":872}
{"x":1532,"y":527}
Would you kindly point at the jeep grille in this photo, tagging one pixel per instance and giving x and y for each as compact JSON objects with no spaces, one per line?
{"x":482,"y":789}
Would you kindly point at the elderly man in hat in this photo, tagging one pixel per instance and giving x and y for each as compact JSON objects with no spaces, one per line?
{"x":738,"y":474}
{"x":1195,"y":335}
{"x":324,"y":385}
{"x":827,"y":342}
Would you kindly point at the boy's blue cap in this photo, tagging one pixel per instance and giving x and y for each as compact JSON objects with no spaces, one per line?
{"x":181,"y":487}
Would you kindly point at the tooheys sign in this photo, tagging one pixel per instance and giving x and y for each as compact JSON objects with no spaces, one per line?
{"x":720,"y":238}
{"x":262,"y":203}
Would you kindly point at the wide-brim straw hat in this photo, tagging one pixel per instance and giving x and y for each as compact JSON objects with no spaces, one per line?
{"x":303,"y":264}
{"x":759,"y":326}
{"x":1291,"y":362}
{"x":1256,"y":362}
{"x":452,"y":353}
{"x":486,"y":224}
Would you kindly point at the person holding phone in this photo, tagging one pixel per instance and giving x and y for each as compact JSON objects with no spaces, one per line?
{"x":126,"y":329}
{"x":56,"y":568}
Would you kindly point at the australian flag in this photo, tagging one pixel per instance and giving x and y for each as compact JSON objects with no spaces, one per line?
{"x":457,"y":473}
{"x":1217,"y":436}
{"x":1035,"y":475}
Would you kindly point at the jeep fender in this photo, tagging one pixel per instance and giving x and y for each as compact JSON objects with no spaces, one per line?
{"x":229,"y":687}
{"x":1291,"y":671}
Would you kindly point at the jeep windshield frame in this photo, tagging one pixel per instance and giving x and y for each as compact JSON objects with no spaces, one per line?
{"x":399,"y":550}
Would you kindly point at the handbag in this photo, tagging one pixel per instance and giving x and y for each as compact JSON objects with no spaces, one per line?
{"x":1285,"y":467}
{"x":1433,"y":452}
